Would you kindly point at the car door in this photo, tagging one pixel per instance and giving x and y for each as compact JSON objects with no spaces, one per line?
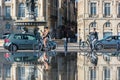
{"x":25,"y":42}
{"x":114,"y":42}
{"x":110,"y":42}
{"x":19,"y":41}
{"x":31,"y":41}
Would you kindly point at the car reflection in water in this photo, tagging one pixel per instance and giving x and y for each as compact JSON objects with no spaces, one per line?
{"x":28,"y":56}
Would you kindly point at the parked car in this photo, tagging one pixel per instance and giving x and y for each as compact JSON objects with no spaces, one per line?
{"x":110,"y":42}
{"x":20,"y":41}
{"x":5,"y":35}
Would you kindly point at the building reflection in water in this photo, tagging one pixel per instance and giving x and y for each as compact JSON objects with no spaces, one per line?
{"x":73,"y":66}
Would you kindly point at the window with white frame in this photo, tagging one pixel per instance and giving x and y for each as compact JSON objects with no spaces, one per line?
{"x":106,"y":73}
{"x":7,"y":11}
{"x":107,"y":9}
{"x":7,"y":70}
{"x":33,"y":71}
{"x":92,"y":74}
{"x":36,"y":72}
{"x":118,"y":73}
{"x":21,"y":73}
{"x":36,"y":11}
{"x":7,"y":26}
{"x":118,"y":15}
{"x":93,"y":9}
{"x":21,"y":12}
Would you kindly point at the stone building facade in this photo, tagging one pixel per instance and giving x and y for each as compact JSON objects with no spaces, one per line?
{"x":12,"y":11}
{"x":52,"y":13}
{"x":108,"y":68}
{"x":100,"y":14}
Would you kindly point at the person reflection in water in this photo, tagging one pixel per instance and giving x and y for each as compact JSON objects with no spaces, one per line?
{"x":46,"y":60}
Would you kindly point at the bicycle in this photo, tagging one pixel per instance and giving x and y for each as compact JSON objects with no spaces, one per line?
{"x":92,"y":57}
{"x":85,"y":44}
{"x":89,"y":43}
{"x":51,"y":45}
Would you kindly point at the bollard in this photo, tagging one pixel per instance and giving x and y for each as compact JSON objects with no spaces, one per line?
{"x":65,"y":46}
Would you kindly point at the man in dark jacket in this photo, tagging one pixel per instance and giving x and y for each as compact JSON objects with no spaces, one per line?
{"x":94,"y":36}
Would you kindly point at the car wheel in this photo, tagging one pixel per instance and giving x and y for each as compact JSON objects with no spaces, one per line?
{"x":12,"y":48}
{"x":99,"y":46}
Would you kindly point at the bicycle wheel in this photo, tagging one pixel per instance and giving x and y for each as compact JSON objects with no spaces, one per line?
{"x":84,"y":45}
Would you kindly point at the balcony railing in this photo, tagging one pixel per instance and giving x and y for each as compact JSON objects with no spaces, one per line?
{"x":107,"y":16}
{"x":91,"y":15}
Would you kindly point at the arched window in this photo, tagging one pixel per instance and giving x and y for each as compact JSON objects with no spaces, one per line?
{"x":93,"y":24}
{"x":107,"y":24}
{"x":21,"y":12}
{"x":7,"y":26}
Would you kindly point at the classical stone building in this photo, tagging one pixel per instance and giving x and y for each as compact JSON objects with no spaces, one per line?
{"x":108,"y":67}
{"x":13,"y":11}
{"x":52,"y":13}
{"x":100,"y":14}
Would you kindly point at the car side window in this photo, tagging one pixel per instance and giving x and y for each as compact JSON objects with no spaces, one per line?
{"x":118,"y":37}
{"x":17,"y":36}
{"x":109,"y":38}
{"x":113,"y":38}
{"x":30,"y":37}
{"x":25,"y":37}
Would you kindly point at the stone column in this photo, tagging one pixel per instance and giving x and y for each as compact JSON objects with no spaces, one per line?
{"x":100,"y":73}
{"x":41,"y":8}
{"x":2,"y":8}
{"x":59,"y":68}
{"x":13,"y":72}
{"x":13,"y":9}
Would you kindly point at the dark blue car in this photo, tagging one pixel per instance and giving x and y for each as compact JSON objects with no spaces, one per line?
{"x":110,"y":42}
